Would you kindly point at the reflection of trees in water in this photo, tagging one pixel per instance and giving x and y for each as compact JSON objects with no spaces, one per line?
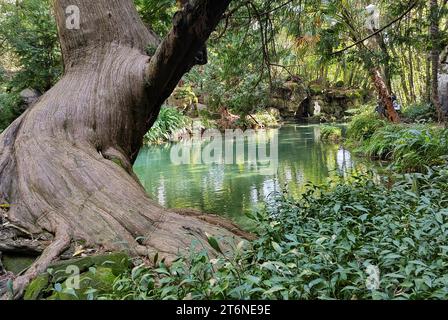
{"x":232,"y":189}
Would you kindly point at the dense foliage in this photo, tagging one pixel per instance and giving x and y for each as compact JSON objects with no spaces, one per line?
{"x":330,"y":133}
{"x":169,"y":122}
{"x":29,"y":36}
{"x":30,"y":53}
{"x":366,"y":238}
{"x":258,"y":45}
{"x":408,"y":148}
{"x":364,"y":125}
{"x":157,"y":14}
{"x":422,"y":112}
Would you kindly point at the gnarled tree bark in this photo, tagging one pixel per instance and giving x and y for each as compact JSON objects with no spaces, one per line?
{"x":434,"y":34}
{"x":384,"y":94}
{"x":66,"y":164}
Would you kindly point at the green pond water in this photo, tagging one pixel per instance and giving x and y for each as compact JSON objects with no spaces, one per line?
{"x":230,"y":189}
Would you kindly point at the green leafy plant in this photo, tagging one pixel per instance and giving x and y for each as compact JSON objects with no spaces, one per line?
{"x":29,"y":34}
{"x":30,"y":52}
{"x":170,"y":121}
{"x":409,"y":148}
{"x":420,"y":112}
{"x":362,"y":238}
{"x":9,"y":109}
{"x":364,"y":125}
{"x":330,"y":133}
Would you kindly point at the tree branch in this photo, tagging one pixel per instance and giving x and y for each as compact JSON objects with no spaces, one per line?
{"x":412,"y":6}
{"x":176,"y":54}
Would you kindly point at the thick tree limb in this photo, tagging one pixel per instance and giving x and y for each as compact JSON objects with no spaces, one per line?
{"x":177,"y":52}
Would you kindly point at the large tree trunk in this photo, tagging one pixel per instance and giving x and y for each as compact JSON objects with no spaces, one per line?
{"x":372,"y":67}
{"x":435,"y":54}
{"x":66,"y":164}
{"x":384,"y":94}
{"x":387,"y":60}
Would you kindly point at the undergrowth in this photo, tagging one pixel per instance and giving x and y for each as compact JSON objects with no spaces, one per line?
{"x":358,"y":239}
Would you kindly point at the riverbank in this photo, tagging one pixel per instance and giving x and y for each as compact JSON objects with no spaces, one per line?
{"x":407,"y":147}
{"x":173,"y":125}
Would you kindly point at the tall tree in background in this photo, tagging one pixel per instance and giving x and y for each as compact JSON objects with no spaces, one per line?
{"x":352,"y":16}
{"x":434,"y":18}
{"x":66,"y":163}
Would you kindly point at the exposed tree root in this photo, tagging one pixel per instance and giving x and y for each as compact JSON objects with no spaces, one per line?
{"x":60,"y":244}
{"x":217,"y":221}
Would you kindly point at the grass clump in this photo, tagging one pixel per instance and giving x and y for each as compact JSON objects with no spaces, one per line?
{"x":409,"y":148}
{"x":169,"y":122}
{"x":363,"y":126}
{"x":423,"y":112}
{"x":330,"y":133}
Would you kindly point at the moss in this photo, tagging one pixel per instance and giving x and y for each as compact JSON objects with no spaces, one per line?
{"x":151,"y":50}
{"x":293,"y":86}
{"x":101,"y":279}
{"x":4,"y":206}
{"x":98,"y":272}
{"x":117,"y":262}
{"x":37,"y":287}
{"x":339,"y":84}
{"x":316,"y":89}
{"x":117,"y":161}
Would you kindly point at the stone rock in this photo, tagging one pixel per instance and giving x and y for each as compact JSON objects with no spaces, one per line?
{"x":331,"y":104}
{"x":118,"y":262}
{"x":30,"y":96}
{"x":201,"y":107}
{"x":288,"y":98}
{"x":295,"y":99}
{"x":274,"y":111}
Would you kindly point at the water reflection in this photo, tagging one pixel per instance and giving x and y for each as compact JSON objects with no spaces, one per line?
{"x":230,"y":190}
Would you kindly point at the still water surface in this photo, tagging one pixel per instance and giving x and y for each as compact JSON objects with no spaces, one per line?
{"x":232,"y":189}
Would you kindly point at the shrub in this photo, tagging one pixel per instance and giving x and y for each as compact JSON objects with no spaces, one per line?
{"x":363,"y":126}
{"x":30,"y":51}
{"x":170,"y":121}
{"x":410,"y":148}
{"x":420,"y":112}
{"x":29,"y":34}
{"x":9,"y":109}
{"x":265,"y":118}
{"x":359,"y":239}
{"x":330,"y":133}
